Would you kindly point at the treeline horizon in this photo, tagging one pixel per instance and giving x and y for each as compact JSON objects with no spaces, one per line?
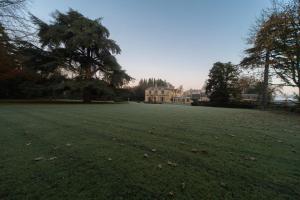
{"x":73,"y":57}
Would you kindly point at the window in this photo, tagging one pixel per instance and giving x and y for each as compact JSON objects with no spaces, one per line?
{"x":162,"y":92}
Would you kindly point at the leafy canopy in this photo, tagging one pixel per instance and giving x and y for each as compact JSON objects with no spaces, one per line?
{"x":222,"y":83}
{"x":83,"y":50}
{"x":82,"y":45}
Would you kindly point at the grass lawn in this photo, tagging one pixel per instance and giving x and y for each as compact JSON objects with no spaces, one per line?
{"x":137,"y":151}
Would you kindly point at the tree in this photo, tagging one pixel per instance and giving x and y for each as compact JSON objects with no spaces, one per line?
{"x":8,"y":65}
{"x":83,"y":48}
{"x":253,"y":85}
{"x":287,"y":63}
{"x":263,"y":50}
{"x":14,"y":17}
{"x":26,"y":71}
{"x":42,"y":76}
{"x":222,"y":84}
{"x":276,"y":44}
{"x":13,"y":26}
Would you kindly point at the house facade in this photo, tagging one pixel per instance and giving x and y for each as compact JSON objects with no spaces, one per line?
{"x":196,"y":94}
{"x":182,"y":100}
{"x":172,"y":95}
{"x":162,"y":94}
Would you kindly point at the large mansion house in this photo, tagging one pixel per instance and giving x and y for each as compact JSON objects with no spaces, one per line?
{"x":172,"y":95}
{"x":162,"y":94}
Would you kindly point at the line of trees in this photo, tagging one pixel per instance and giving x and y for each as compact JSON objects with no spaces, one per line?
{"x":274,"y":47}
{"x":226,"y":83}
{"x":72,"y":57}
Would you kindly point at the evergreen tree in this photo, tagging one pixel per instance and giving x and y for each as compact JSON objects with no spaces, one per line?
{"x":222,"y":84}
{"x":83,"y":47}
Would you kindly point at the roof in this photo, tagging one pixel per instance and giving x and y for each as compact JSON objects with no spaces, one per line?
{"x":159,"y":88}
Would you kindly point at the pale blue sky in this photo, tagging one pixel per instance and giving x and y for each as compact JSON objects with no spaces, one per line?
{"x":177,"y":40}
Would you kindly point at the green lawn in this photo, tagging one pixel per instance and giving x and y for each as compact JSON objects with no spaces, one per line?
{"x":137,"y":151}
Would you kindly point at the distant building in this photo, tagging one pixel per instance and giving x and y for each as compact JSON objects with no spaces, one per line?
{"x":196,"y":94}
{"x":250,"y":97}
{"x":182,"y":100}
{"x":162,"y":94}
{"x":172,"y":95}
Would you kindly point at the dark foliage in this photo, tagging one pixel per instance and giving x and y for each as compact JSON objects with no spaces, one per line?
{"x":222,"y":84}
{"x":75,"y":59}
{"x":232,"y":104}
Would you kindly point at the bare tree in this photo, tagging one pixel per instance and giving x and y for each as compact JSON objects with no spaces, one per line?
{"x":14,"y":18}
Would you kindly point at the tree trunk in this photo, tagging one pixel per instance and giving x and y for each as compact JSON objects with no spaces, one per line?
{"x":299,"y":93}
{"x":265,"y":96}
{"x":86,"y":93}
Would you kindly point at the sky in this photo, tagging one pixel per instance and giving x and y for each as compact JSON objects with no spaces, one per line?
{"x":176,"y":40}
